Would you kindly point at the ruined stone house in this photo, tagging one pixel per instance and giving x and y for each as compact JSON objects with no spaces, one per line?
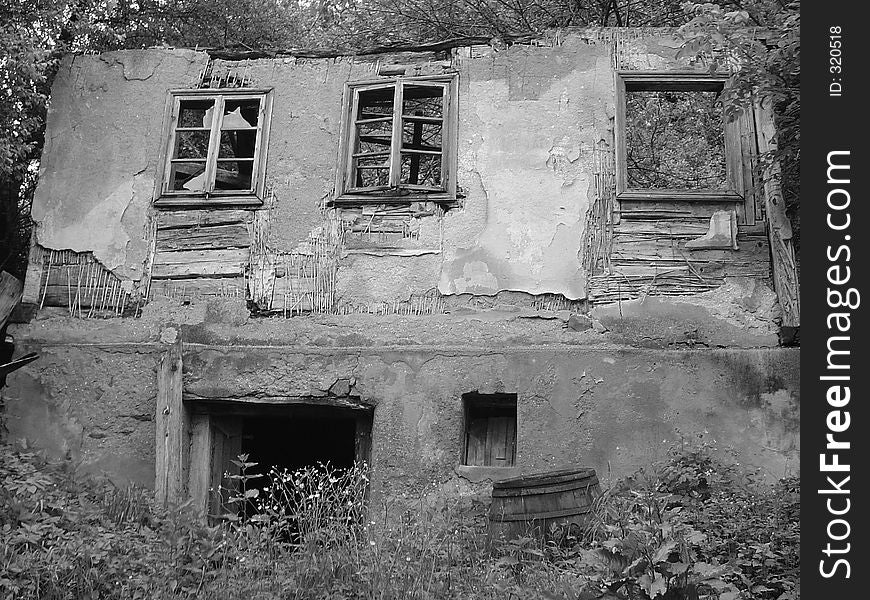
{"x":442,"y":260}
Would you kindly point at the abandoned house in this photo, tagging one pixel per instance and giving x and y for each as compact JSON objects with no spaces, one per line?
{"x":459,"y":262}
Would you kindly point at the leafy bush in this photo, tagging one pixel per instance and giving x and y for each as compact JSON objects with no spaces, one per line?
{"x":693,"y":527}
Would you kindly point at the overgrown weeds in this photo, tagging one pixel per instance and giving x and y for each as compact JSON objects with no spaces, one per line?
{"x":692,"y":527}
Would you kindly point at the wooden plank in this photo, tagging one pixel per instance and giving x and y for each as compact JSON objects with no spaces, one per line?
{"x":171,"y":422}
{"x":499,"y":427}
{"x":107,"y":297}
{"x":734,"y":164}
{"x":511,"y":442}
{"x":199,"y":286}
{"x":11,"y":289}
{"x":671,"y":209}
{"x":475,"y":444}
{"x":697,"y":226}
{"x":226,"y":447}
{"x":199,"y":263}
{"x":201,"y":238}
{"x":201,"y":218}
{"x":749,"y":155}
{"x":785,"y":274}
{"x":199,"y":472}
{"x":84,"y":275}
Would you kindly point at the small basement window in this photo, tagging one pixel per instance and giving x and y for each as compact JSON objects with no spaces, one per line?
{"x":673,"y":141}
{"x":216,"y":147}
{"x":398,"y":142}
{"x":490,"y":429}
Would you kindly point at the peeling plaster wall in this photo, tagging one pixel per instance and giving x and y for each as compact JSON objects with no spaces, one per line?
{"x":530,"y":118}
{"x":534,"y":123}
{"x":92,"y":405}
{"x":614,"y":409}
{"x":96,"y":178}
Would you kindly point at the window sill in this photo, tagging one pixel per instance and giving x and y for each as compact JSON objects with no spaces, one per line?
{"x":361,"y":199}
{"x":477,"y":474}
{"x":679,"y":195}
{"x":240,"y":201}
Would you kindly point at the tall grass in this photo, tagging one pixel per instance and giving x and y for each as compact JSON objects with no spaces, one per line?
{"x":684,"y":529}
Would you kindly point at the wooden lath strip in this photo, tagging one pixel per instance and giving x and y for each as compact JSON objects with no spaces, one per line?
{"x":81,"y":284}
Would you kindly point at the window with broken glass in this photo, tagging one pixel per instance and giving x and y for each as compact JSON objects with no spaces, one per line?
{"x":673,"y":140}
{"x":398,"y":143}
{"x":216,"y":147}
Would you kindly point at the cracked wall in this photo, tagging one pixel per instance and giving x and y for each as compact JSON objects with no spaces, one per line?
{"x":535,"y":160}
{"x":534,"y":156}
{"x":530,"y":118}
{"x":96,"y":178}
{"x":613,"y":409}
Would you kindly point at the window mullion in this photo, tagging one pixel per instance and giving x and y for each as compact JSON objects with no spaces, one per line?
{"x":167,"y":169}
{"x":255,"y":164}
{"x":446,"y":135}
{"x":396,"y":142}
{"x":351,"y":171}
{"x":214,"y":144}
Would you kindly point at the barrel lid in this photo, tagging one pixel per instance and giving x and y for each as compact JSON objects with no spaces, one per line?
{"x":544,"y":478}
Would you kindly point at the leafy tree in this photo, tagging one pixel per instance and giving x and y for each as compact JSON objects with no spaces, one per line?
{"x":764,"y":37}
{"x":34,"y":34}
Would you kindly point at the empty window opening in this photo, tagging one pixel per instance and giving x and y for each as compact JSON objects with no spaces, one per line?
{"x":274,"y":437}
{"x":674,"y":139}
{"x":490,"y":429}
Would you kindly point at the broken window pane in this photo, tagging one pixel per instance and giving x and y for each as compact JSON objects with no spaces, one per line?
{"x":191,"y":144}
{"x":196,"y":113}
{"x":421,"y":169}
{"x":237,"y":144}
{"x":375,"y":103}
{"x":187,"y":176}
{"x":372,"y":171}
{"x":240,"y":114}
{"x":423,"y":101}
{"x":396,"y":144}
{"x":674,"y":140}
{"x":421,"y":136}
{"x":233,"y":174}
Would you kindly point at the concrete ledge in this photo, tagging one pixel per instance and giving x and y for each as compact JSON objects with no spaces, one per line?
{"x":480,"y":474}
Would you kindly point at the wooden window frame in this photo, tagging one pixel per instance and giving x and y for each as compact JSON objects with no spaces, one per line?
{"x":395,"y":192}
{"x":214,"y":198}
{"x":500,"y":403}
{"x":682,"y":82}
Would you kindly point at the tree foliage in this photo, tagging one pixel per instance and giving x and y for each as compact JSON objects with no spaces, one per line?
{"x":763,"y":37}
{"x":34,"y":34}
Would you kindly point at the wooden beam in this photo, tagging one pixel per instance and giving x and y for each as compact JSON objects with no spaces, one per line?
{"x":200,"y":471}
{"x":785,"y":274}
{"x":171,"y":427}
{"x":11,"y":289}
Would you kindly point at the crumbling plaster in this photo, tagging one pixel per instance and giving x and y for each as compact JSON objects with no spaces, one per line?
{"x":593,"y":403}
{"x":96,"y":178}
{"x":529,"y":118}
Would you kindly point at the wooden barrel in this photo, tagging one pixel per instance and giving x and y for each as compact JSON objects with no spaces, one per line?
{"x":528,"y":505}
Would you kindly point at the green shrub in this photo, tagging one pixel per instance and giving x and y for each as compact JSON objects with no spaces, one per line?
{"x":693,"y":527}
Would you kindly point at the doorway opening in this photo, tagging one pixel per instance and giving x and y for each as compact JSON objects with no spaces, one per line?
{"x":275,"y":437}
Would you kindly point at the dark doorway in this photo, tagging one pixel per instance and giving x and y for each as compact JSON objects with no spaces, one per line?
{"x":292,"y":442}
{"x":274,"y":436}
